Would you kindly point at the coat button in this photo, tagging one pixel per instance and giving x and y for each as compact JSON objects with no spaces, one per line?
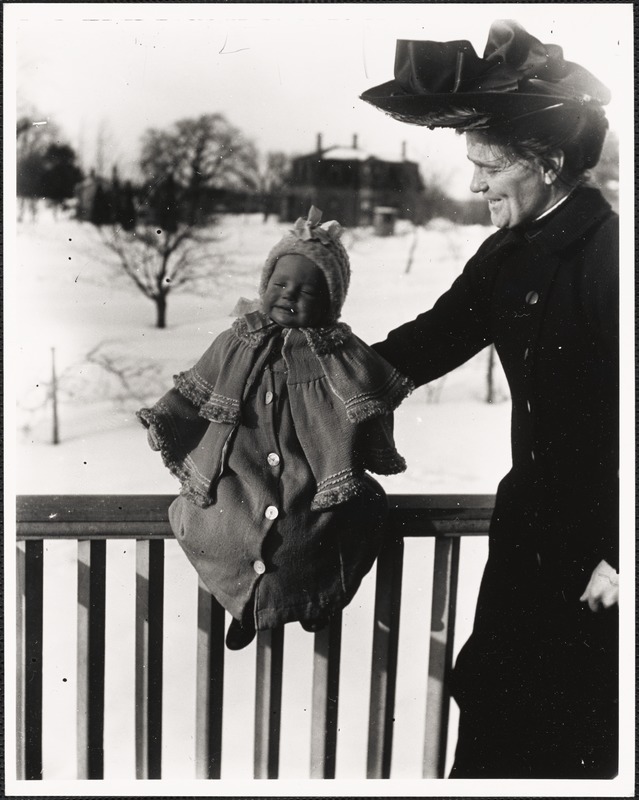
{"x":532,"y":298}
{"x":271,"y":512}
{"x":273,"y":459}
{"x":268,"y":397}
{"x":259,"y":567}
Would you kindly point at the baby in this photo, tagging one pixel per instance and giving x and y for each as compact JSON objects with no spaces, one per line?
{"x":271,"y":435}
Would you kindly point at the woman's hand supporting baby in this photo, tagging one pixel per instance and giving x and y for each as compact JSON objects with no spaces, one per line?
{"x":603,"y":588}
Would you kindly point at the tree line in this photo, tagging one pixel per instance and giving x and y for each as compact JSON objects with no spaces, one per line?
{"x":160,"y":229}
{"x":187,"y":170}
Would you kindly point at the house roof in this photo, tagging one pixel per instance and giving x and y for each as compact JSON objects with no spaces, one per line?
{"x":345,"y":154}
{"x":353,"y":154}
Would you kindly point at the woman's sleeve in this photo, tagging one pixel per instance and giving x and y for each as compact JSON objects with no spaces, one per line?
{"x":456,"y":328}
{"x":600,"y":297}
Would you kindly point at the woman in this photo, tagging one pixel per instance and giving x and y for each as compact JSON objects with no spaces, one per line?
{"x":536,"y":682}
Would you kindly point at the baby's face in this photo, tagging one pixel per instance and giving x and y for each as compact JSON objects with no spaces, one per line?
{"x":296,"y":295}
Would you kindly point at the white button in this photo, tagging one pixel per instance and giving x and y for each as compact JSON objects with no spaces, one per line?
{"x":532,"y":298}
{"x":271,"y":512}
{"x":259,"y":567}
{"x":268,"y":397}
{"x":273,"y":459}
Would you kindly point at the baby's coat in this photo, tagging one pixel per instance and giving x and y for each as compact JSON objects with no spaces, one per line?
{"x":259,"y":540}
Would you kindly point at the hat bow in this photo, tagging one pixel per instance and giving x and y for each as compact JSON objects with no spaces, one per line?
{"x":513,"y":61}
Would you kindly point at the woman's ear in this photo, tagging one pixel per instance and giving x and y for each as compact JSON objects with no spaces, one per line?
{"x":553,"y":166}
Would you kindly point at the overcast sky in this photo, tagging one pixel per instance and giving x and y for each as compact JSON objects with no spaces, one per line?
{"x":282,"y":73}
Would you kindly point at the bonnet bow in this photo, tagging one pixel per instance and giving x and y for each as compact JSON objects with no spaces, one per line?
{"x":308,"y":229}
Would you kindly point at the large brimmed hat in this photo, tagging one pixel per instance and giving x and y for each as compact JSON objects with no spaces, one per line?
{"x":517,"y":75}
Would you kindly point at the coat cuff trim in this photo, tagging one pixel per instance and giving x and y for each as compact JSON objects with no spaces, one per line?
{"x":383,"y":401}
{"x":385,"y":462}
{"x":212,"y":406}
{"x":194,"y":485}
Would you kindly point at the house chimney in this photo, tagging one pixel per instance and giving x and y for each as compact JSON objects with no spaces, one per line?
{"x":319,"y":142}
{"x":354,"y":141}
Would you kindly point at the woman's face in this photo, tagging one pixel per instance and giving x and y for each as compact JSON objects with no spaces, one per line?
{"x":516,"y":191}
{"x":296,"y":295}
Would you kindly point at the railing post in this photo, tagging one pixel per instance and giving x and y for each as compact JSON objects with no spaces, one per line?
{"x":148,"y":658}
{"x":445,"y":573}
{"x":90,"y":658}
{"x":209,"y":685}
{"x":29,"y":658}
{"x":268,"y":702}
{"x":93,"y":520}
{"x":20,"y":659}
{"x":388,"y":590}
{"x":326,"y":664}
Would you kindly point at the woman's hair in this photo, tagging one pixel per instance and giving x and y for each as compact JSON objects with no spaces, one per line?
{"x":577,"y":131}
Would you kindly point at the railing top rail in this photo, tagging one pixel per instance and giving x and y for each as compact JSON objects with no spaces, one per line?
{"x":145,"y":516}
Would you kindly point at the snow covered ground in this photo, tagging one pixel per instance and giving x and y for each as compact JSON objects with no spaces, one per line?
{"x":62,"y":294}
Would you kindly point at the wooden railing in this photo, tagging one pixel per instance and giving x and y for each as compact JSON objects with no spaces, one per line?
{"x":92,"y":520}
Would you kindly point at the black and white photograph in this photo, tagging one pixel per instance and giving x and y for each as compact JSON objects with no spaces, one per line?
{"x":319,"y":399}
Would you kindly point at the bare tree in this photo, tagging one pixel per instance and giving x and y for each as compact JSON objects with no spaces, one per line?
{"x":170,"y":247}
{"x":39,"y":152}
{"x":106,"y":152}
{"x":435,"y":199}
{"x":273,"y":171}
{"x":606,"y":174}
{"x":34,"y":133}
{"x":108,"y":372}
{"x":200,"y":154}
{"x":159,"y":261}
{"x":128,"y":380}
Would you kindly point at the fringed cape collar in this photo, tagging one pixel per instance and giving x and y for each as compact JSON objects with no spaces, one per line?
{"x":368,"y":386}
{"x":192,"y":422}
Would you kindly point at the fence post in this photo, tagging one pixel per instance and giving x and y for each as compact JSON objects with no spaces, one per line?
{"x":90,"y":658}
{"x":209,"y":685}
{"x":268,"y":702}
{"x":29,"y":654}
{"x":326,"y":665}
{"x":442,"y":627}
{"x":148,"y":658}
{"x":388,"y":590}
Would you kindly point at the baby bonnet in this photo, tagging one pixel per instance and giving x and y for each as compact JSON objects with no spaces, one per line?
{"x":320,"y":244}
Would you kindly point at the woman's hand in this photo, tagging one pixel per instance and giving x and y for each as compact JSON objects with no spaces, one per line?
{"x":603,"y":588}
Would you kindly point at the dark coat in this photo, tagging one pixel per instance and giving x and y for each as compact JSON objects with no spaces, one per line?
{"x":547,"y":297}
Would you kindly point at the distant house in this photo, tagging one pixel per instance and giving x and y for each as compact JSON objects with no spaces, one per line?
{"x":348,"y":184}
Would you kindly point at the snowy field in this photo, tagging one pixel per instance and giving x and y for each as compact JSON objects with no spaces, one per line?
{"x":66,"y":296}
